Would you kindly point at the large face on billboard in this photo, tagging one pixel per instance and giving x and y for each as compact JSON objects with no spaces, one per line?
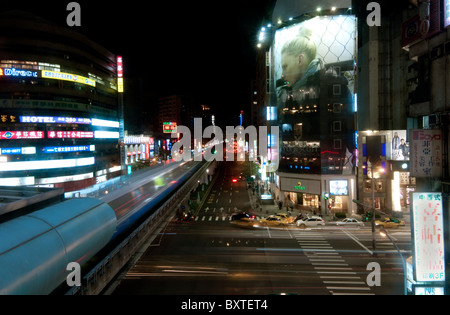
{"x":314,"y":64}
{"x":322,"y":42}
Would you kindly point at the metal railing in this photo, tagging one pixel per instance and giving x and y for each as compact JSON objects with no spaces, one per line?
{"x":104,"y":273}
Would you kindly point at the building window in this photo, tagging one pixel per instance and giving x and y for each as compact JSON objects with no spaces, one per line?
{"x":337,"y":144}
{"x":336,"y":89}
{"x":337,"y":108}
{"x":336,"y":125}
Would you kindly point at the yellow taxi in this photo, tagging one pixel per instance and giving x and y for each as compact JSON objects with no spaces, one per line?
{"x":271,"y":220}
{"x":389,"y":223}
{"x":285,"y":217}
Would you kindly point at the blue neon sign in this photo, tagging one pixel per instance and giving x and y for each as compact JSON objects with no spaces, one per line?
{"x":77,"y":148}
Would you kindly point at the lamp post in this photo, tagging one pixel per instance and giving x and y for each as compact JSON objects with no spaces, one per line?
{"x":384,"y":233}
{"x":374,"y":175}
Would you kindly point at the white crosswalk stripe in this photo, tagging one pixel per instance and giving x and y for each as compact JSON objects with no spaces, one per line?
{"x":338,"y":277}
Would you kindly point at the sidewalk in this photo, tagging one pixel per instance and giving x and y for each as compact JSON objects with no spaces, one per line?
{"x":266,"y":210}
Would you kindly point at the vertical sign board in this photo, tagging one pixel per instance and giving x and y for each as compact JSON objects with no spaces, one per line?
{"x":119,"y":74}
{"x":428,"y":237}
{"x":426,"y":153}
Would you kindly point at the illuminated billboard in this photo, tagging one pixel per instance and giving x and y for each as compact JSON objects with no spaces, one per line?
{"x":9,"y":135}
{"x":13,"y":72}
{"x":67,"y":77}
{"x":70,"y":134}
{"x":314,"y":78}
{"x":428,"y":236}
{"x":119,"y":74}
{"x":398,"y":145}
{"x":338,"y":187}
{"x":69,"y":149}
{"x":426,"y":153}
{"x":303,"y":49}
{"x":169,"y":127}
{"x":54,"y":120}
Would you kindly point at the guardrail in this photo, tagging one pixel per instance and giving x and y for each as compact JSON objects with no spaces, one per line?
{"x":96,"y":280}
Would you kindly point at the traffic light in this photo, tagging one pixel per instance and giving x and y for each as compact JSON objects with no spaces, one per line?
{"x":326,"y":196}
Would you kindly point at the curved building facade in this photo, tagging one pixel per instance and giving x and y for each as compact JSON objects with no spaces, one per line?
{"x":60,"y":105}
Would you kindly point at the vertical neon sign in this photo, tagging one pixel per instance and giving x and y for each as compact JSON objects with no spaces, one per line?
{"x":119,"y":74}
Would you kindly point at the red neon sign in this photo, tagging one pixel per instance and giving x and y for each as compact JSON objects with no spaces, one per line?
{"x":119,"y":67}
{"x":70,"y":134}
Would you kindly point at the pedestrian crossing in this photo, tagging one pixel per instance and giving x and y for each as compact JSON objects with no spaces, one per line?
{"x":338,"y":277}
{"x":215,"y":214}
{"x":215,"y":218}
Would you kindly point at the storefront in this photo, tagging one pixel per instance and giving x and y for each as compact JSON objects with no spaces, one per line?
{"x":325,"y":194}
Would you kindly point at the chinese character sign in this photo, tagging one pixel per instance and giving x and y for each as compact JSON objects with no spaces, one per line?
{"x":428,"y":236}
{"x":426,"y":153}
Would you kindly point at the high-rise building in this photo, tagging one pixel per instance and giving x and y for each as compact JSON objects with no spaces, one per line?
{"x":311,"y":61}
{"x":60,"y":115}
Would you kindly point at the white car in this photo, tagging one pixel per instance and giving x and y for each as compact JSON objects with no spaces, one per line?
{"x":313,"y":221}
{"x":350,"y":222}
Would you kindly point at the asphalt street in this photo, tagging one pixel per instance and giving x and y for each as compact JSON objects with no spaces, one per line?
{"x":213,"y":256}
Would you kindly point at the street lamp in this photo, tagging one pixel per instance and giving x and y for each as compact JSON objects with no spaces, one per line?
{"x":374,"y":174}
{"x":384,"y":233}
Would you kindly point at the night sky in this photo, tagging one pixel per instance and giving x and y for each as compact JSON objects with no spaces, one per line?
{"x":205,"y":49}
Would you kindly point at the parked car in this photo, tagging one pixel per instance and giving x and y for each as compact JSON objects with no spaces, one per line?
{"x":313,"y":221}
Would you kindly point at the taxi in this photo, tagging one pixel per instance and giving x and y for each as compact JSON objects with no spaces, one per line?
{"x":285,"y":217}
{"x":271,"y":220}
{"x":389,"y":223}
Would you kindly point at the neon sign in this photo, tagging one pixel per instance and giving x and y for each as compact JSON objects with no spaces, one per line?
{"x":77,"y":148}
{"x":70,"y":134}
{"x":120,"y":74}
{"x":13,"y":72}
{"x":17,"y":151}
{"x":169,"y":127}
{"x":54,"y":120}
{"x":428,"y":236}
{"x":67,"y":77}
{"x":8,"y":135}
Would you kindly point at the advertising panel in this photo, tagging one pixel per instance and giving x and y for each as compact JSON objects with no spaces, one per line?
{"x":426,"y":153}
{"x":54,"y":120}
{"x":339,"y":187}
{"x":307,"y":186}
{"x":399,"y":146}
{"x":120,"y":74}
{"x":169,"y":127}
{"x":8,"y":135}
{"x":428,"y":236}
{"x":13,"y":72}
{"x":67,"y":77}
{"x":307,"y":56}
{"x":70,"y":134}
